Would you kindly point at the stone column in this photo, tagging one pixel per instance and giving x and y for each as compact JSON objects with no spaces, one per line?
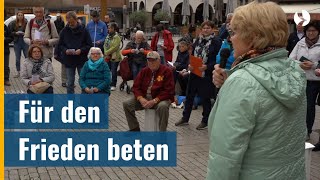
{"x":193,"y":18}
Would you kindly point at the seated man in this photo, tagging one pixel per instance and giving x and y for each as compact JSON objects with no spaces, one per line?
{"x":153,"y":88}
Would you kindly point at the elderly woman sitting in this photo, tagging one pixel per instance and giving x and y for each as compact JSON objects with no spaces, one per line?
{"x":36,"y":71}
{"x":95,"y":74}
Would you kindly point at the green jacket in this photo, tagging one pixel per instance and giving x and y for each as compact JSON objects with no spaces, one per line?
{"x":112,"y":47}
{"x":257,"y":126}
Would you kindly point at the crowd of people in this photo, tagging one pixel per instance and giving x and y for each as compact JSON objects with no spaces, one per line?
{"x":253,"y":104}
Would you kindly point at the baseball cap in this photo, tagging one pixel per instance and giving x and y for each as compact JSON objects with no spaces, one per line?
{"x":153,"y":55}
{"x":95,"y":14}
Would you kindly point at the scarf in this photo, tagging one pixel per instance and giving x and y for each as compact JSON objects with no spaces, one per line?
{"x":93,"y":65}
{"x":311,"y":42}
{"x":108,"y":40}
{"x":202,"y":48}
{"x":37,"y":67}
{"x":252,"y":54}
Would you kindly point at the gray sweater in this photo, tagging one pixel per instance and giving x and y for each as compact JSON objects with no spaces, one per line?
{"x":26,"y":71}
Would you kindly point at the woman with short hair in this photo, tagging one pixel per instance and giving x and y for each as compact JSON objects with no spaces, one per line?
{"x":307,"y":53}
{"x":256,"y":127}
{"x":36,"y":69}
{"x":95,"y":73}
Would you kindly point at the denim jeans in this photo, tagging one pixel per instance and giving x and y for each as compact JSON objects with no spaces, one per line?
{"x":114,"y":74}
{"x":19,"y":46}
{"x":71,"y":73}
{"x":136,"y":68}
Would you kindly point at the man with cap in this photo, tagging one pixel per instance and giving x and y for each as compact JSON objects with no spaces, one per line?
{"x":98,"y":30}
{"x":153,"y":88}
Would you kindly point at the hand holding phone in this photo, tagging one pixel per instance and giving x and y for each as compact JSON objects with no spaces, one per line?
{"x":302,"y":59}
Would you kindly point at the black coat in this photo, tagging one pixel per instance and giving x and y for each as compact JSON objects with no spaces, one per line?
{"x":8,"y":38}
{"x":182,"y":61}
{"x":203,"y":85}
{"x":59,"y":25}
{"x":77,"y":38}
{"x":292,"y":41}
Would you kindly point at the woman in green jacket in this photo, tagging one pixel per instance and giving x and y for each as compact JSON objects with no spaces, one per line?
{"x":112,"y":52}
{"x":257,"y":125}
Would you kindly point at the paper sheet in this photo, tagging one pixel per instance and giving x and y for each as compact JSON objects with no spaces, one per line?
{"x":196,"y":62}
{"x":37,"y":35}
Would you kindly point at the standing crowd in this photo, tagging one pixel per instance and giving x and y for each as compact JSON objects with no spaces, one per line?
{"x":255,"y":98}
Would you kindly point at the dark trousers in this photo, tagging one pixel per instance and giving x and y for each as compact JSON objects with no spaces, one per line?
{"x":71,"y":74}
{"x":48,"y":91}
{"x":203,"y":88}
{"x":114,"y":68}
{"x":313,"y":88}
{"x":6,"y":67}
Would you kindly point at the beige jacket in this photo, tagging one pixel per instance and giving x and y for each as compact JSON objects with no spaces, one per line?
{"x":26,"y":71}
{"x":53,"y":38}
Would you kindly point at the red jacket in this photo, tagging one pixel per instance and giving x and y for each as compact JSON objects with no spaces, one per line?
{"x":168,"y":42}
{"x":163,"y":84}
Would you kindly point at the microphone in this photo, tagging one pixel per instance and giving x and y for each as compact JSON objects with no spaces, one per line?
{"x":224,"y":55}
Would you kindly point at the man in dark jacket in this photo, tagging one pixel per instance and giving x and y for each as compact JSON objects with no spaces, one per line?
{"x":74,"y":44}
{"x":153,"y":89}
{"x":7,"y":39}
{"x":59,"y":23}
{"x":295,"y":37}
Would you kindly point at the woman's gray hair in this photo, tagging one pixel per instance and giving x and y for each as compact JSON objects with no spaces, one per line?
{"x":71,"y":14}
{"x":95,"y":49}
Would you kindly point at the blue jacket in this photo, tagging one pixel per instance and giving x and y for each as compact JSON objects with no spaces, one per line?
{"x":225,"y":44}
{"x":99,"y":78}
{"x":98,"y":31}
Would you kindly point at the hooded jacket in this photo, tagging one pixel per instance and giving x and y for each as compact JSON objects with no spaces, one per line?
{"x":257,"y":126}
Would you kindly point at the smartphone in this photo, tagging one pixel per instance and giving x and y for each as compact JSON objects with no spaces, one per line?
{"x":302,"y":59}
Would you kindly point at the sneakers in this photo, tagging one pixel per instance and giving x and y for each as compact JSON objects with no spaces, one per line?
{"x":64,"y":84}
{"x":181,"y":122}
{"x":113,"y":88}
{"x":7,"y":83}
{"x":17,"y":75}
{"x":202,"y":126}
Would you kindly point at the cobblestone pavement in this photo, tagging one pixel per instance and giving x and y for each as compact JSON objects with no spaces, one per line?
{"x":192,"y":145}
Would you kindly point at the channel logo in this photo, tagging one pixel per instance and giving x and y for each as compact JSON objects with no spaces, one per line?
{"x":305,"y":18}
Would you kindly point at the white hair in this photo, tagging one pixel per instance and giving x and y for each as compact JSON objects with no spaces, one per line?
{"x":139,"y":32}
{"x":95,"y":49}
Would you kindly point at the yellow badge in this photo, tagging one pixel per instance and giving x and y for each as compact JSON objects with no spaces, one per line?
{"x":160,"y":78}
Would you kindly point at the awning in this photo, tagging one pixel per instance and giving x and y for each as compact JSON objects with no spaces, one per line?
{"x":291,"y":9}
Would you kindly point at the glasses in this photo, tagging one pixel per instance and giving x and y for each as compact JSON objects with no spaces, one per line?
{"x":231,"y":33}
{"x":95,"y":53}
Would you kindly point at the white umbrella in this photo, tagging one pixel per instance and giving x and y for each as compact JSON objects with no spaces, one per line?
{"x":205,"y":13}
{"x":218,"y":9}
{"x":185,"y":11}
{"x":166,"y":7}
{"x":231,"y":5}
